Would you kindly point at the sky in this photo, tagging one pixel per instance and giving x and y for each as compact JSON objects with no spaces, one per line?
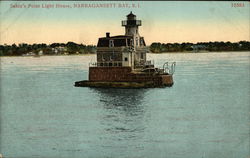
{"x":162,"y":21}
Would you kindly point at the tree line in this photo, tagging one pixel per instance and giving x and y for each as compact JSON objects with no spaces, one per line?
{"x":157,"y":47}
{"x":46,"y":49}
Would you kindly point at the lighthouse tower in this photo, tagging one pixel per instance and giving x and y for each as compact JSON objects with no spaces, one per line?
{"x":131,"y":28}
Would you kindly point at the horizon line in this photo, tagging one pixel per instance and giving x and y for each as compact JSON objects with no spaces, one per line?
{"x":149,"y":44}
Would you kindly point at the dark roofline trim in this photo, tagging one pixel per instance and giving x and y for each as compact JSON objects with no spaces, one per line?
{"x":116,"y":37}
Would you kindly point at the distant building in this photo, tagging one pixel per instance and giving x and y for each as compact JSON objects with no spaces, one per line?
{"x":198,"y":47}
{"x":59,"y":50}
{"x":29,"y":54}
{"x":40,"y":52}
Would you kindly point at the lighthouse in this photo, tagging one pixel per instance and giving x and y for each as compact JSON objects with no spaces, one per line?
{"x":123,"y":50}
{"x":121,"y":61}
{"x":131,"y":25}
{"x":132,"y":28}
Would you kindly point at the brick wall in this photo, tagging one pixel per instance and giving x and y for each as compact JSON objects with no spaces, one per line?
{"x":109,"y":73}
{"x":124,"y":74}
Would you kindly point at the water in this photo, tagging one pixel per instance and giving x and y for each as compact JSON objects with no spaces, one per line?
{"x":204,"y":115}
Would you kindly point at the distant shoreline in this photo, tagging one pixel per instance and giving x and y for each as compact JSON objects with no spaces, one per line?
{"x":191,"y":52}
{"x":48,"y":55}
{"x":187,"y":52}
{"x":72,"y":48}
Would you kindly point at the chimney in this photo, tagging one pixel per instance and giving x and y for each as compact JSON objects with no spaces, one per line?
{"x":107,"y":34}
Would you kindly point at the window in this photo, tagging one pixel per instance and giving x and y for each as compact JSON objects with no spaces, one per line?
{"x":142,"y":55}
{"x":131,"y":42}
{"x":136,"y":41}
{"x":111,"y":43}
{"x":127,"y":31}
{"x":125,"y":59}
{"x":142,"y":44}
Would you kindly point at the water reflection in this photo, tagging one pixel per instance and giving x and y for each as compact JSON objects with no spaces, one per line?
{"x":123,"y":119}
{"x":112,"y":97}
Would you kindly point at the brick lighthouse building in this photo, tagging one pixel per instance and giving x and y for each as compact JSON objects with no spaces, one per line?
{"x":121,"y":62}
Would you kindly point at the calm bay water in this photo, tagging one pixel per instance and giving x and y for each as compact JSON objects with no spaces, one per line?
{"x":204,"y":115}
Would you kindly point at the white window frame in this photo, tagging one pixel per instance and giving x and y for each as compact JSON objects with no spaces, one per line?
{"x":136,"y":41}
{"x":111,"y":43}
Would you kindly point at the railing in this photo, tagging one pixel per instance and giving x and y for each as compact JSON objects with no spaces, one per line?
{"x":144,"y":48}
{"x":106,"y":64}
{"x":169,"y":67}
{"x":124,"y":22}
{"x":149,"y":62}
{"x":144,"y":64}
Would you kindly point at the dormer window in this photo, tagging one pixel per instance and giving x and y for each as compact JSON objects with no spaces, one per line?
{"x":111,"y":43}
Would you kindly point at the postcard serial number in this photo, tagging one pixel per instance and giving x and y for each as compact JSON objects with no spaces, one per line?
{"x":237,"y":4}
